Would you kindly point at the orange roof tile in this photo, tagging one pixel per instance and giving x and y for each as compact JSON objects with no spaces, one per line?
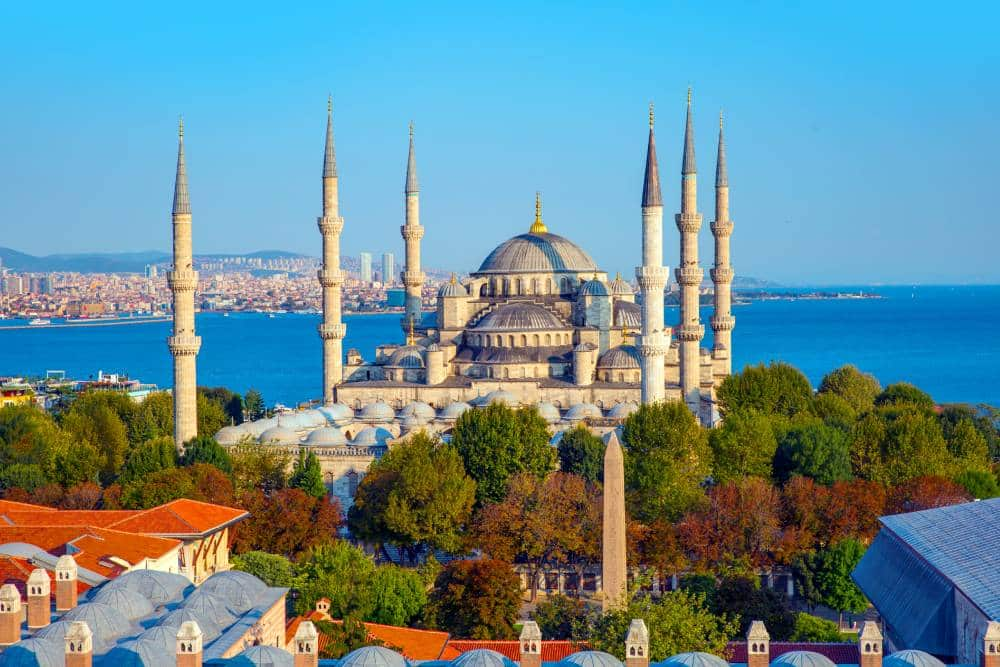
{"x":99,"y":518}
{"x":6,"y":505}
{"x":412,"y":643}
{"x":181,"y":517}
{"x":14,"y":570}
{"x":552,"y":650}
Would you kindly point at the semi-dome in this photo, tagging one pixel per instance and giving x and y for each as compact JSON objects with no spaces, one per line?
{"x":694,"y":659}
{"x":418,"y":409}
{"x":623,"y":356}
{"x":802,"y":659}
{"x":373,"y":435}
{"x":454,"y":410}
{"x":129,"y":602}
{"x":379,"y":411}
{"x":338,"y":412}
{"x":519,"y":317}
{"x":263,"y":656}
{"x":238,"y":589}
{"x":408,"y":356}
{"x":549,"y":412}
{"x":328,"y":436}
{"x":34,"y":652}
{"x":158,"y":587}
{"x":279,"y":435}
{"x":593,"y":659}
{"x":483,"y":657}
{"x":621,"y":287}
{"x":628,"y":315}
{"x":622,"y":410}
{"x":106,"y":623}
{"x":500,"y":396}
{"x":583,"y":411}
{"x":911,"y":658}
{"x":594,"y":287}
{"x":175,"y":619}
{"x":537,"y":253}
{"x":212,"y":607}
{"x":373,"y":656}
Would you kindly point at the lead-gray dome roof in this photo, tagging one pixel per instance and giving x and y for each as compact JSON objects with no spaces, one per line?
{"x":34,"y":652}
{"x":263,"y":656}
{"x":136,"y":653}
{"x":279,"y":435}
{"x":373,"y":656}
{"x":157,"y":587}
{"x":628,"y":314}
{"x":623,"y":356}
{"x":238,"y":589}
{"x":483,"y":657}
{"x":911,"y":658}
{"x":129,"y":602}
{"x":337,"y":412}
{"x":620,"y":287}
{"x":408,"y":356}
{"x":372,"y":435}
{"x":56,"y":632}
{"x":500,"y":396}
{"x":175,"y":619}
{"x":594,"y":287}
{"x":453,"y":288}
{"x":549,"y":412}
{"x":622,"y":410}
{"x":230,"y":435}
{"x":519,"y":317}
{"x":537,"y":253}
{"x":418,"y":409}
{"x":694,"y":659}
{"x":454,"y":410}
{"x":583,"y":411}
{"x":377,"y":411}
{"x":802,"y":659}
{"x":329,"y":436}
{"x":213,"y":607}
{"x":106,"y":623}
{"x":593,"y":659}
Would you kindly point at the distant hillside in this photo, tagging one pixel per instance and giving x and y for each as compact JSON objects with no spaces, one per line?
{"x":113,"y":262}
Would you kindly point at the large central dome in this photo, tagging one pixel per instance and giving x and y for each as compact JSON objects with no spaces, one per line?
{"x":538,"y":253}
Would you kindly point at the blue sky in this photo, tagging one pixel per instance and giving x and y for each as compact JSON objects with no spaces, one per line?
{"x":862,"y":137}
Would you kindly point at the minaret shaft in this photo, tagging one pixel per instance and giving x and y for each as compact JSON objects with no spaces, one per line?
{"x":183,"y":280}
{"x":723,"y":321}
{"x":412,"y":232}
{"x":331,"y":278}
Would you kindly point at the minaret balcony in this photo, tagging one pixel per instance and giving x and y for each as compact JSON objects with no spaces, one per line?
{"x":413,"y":278}
{"x":690,"y":332}
{"x":182,"y":280}
{"x":688,"y":223}
{"x":336,"y":330}
{"x":330,"y":277}
{"x":330,"y":225}
{"x":184,"y":345}
{"x":689,"y":275}
{"x":412,"y":232}
{"x":723,"y":323}
{"x":651,"y":278}
{"x":722,"y":275}
{"x":723,"y":228}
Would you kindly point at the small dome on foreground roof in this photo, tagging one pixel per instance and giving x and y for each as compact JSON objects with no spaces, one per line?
{"x":373,"y":656}
{"x":379,"y":411}
{"x":329,"y":436}
{"x":337,"y":412}
{"x":34,"y":652}
{"x":622,"y":410}
{"x":483,"y":657}
{"x":238,"y":589}
{"x":549,"y":412}
{"x":106,"y":623}
{"x":213,"y":607}
{"x":454,"y":410}
{"x":229,"y":435}
{"x":129,"y":602}
{"x":157,"y":587}
{"x":418,"y":409}
{"x":263,"y":656}
{"x":373,"y":435}
{"x":694,"y":659}
{"x":500,"y":396}
{"x":582,"y":411}
{"x":56,"y":633}
{"x":594,"y":288}
{"x":593,"y":659}
{"x":279,"y":435}
{"x":802,"y":659}
{"x":175,"y":619}
{"x":911,"y":658}
{"x":135,"y":653}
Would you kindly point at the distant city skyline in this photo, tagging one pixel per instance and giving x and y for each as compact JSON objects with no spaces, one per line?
{"x":862,"y":139}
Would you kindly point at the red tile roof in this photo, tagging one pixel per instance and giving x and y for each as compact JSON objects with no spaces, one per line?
{"x":6,"y":505}
{"x":552,"y":650}
{"x":840,"y":654}
{"x":412,"y":643}
{"x":14,"y":570}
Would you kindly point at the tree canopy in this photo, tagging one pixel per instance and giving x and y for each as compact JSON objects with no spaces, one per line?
{"x":478,"y":599}
{"x":582,"y":453}
{"x":778,"y":389}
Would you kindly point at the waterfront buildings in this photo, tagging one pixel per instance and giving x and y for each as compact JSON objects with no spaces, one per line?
{"x":366,"y":267}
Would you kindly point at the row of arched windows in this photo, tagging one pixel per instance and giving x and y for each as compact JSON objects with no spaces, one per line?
{"x":520,"y":340}
{"x":498,"y":286}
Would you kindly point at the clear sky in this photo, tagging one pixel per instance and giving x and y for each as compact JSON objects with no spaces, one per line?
{"x":862,"y":137}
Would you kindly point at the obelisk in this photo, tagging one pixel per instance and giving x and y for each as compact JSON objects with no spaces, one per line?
{"x":613,"y":575}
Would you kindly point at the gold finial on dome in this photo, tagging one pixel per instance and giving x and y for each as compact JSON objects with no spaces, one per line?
{"x":409,"y":337}
{"x":454,"y":279}
{"x":538,"y":227}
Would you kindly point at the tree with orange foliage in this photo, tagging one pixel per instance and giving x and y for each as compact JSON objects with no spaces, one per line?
{"x":922,"y":493}
{"x":285,"y":522}
{"x":656,"y":547}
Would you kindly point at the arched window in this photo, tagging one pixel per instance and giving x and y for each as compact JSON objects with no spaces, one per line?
{"x":510,"y":340}
{"x":517,"y":286}
{"x":506,"y":373}
{"x":534,"y":340}
{"x":352,"y":483}
{"x":524,"y":340}
{"x":488,"y":340}
{"x":548,"y":339}
{"x":484,"y":290}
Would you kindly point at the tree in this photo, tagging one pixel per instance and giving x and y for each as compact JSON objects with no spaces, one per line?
{"x":774,"y":389}
{"x":230,"y":402}
{"x":253,"y":405}
{"x":897,"y":443}
{"x":743,"y":598}
{"x":743,"y":446}
{"x":922,"y":493}
{"x":559,"y":616}
{"x":157,"y":415}
{"x":28,"y":435}
{"x":980,"y":485}
{"x":211,"y":416}
{"x":968,"y":447}
{"x":285,"y":522}
{"x":149,"y":457}
{"x":211,"y":485}
{"x":477,"y":599}
{"x":815,"y":450}
{"x":678,"y":622}
{"x":809,"y":628}
{"x":656,"y":546}
{"x":82,"y":496}
{"x":272,"y":569}
{"x":307,"y":475}
{"x":259,"y":468}
{"x":833,"y":578}
{"x":205,"y":449}
{"x":157,"y":488}
{"x":417,"y":496}
{"x":336,"y":570}
{"x":497,"y":443}
{"x":344,"y":637}
{"x":92,"y":422}
{"x":26,"y":476}
{"x":904,"y":393}
{"x":667,"y":458}
{"x":983,"y":417}
{"x":396,"y":596}
{"x":834,"y":411}
{"x":858,"y":389}
{"x":582,"y":453}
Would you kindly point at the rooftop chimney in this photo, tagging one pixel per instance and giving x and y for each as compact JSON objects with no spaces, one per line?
{"x":531,"y":645}
{"x":10,"y":615}
{"x":79,"y":645}
{"x":991,"y":645}
{"x":637,"y":644}
{"x":66,"y":576}
{"x":39,"y":603}
{"x":189,"y":645}
{"x":870,"y":645}
{"x":306,"y":645}
{"x":758,"y":645}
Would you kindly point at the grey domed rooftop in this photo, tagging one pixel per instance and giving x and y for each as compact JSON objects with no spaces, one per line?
{"x":338,"y":412}
{"x":106,"y":623}
{"x":408,"y":356}
{"x":295,"y":421}
{"x":694,"y":659}
{"x":519,"y":317}
{"x":34,"y":652}
{"x":129,"y":602}
{"x":56,"y":633}
{"x":623,"y":356}
{"x":212,"y":607}
{"x":621,"y":287}
{"x":537,"y":253}
{"x":802,"y":659}
{"x":622,"y":410}
{"x":593,"y":659}
{"x":175,"y":619}
{"x":483,"y":657}
{"x":279,"y":435}
{"x":594,"y":288}
{"x":500,"y":396}
{"x":136,"y":653}
{"x":373,"y":656}
{"x":549,"y":412}
{"x":238,"y":589}
{"x":157,"y":587}
{"x":313,"y":417}
{"x":453,"y":288}
{"x":911,"y":658}
{"x":418,"y":409}
{"x":263,"y":656}
{"x":230,"y":435}
{"x":454,"y":410}
{"x":328,"y":436}
{"x":379,"y":411}
{"x":372,"y":435}
{"x":628,"y":315}
{"x":583,"y":411}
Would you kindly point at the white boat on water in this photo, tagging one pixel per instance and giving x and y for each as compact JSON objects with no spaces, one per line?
{"x":38,"y":322}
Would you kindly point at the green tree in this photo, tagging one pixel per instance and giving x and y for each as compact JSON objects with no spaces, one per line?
{"x":92,"y":422}
{"x":211,"y":415}
{"x":743,"y":446}
{"x":980,"y":485}
{"x":582,"y":453}
{"x":827,"y":575}
{"x":416,"y":496}
{"x":343,"y":637}
{"x":968,"y":447}
{"x":897,"y":443}
{"x":28,"y":435}
{"x":272,"y":569}
{"x":230,"y":402}
{"x":678,"y":622}
{"x":558,"y":616}
{"x":157,"y":488}
{"x":857,"y":388}
{"x":478,"y":599}
{"x":743,"y":598}
{"x":157,"y":414}
{"x":834,"y":411}
{"x":253,"y":405}
{"x":205,"y":449}
{"x":904,"y":393}
{"x":149,"y":457}
{"x":307,"y":475}
{"x":667,"y":457}
{"x":395,"y":596}
{"x":496,"y":443}
{"x":26,"y":476}
{"x":338,"y":571}
{"x":809,"y":628}
{"x":262,"y":468}
{"x":985,"y":418}
{"x":774,"y":389}
{"x":813,"y":449}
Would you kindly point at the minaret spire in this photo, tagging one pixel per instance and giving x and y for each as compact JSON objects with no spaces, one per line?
{"x":183,"y":280}
{"x":651,"y":184}
{"x":411,"y":167}
{"x":412,"y":232}
{"x":331,"y":278}
{"x":722,"y":321}
{"x":689,"y":167}
{"x":721,"y":173}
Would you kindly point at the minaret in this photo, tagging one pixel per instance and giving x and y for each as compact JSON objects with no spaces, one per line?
{"x":722,"y":275}
{"x":413,"y":278}
{"x":183,"y":280}
{"x":331,"y":278}
{"x":652,"y":277}
{"x":689,"y":274}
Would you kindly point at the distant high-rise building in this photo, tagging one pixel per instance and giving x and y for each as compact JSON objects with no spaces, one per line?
{"x":388,"y":268}
{"x":366,"y":267}
{"x":151,"y":271}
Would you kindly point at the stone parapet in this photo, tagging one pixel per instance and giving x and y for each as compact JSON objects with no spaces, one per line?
{"x":690,"y":275}
{"x":722,"y":274}
{"x":182,"y":280}
{"x":412,"y":232}
{"x":413,"y":278}
{"x":330,"y":225}
{"x":722,"y":228}
{"x":184,"y":345}
{"x":651,"y":278}
{"x":723,"y":323}
{"x":330,"y":277}
{"x":688,"y":223}
{"x":336,"y":330}
{"x":690,"y":332}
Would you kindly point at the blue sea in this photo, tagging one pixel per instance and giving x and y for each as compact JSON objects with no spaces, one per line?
{"x":943,"y":339}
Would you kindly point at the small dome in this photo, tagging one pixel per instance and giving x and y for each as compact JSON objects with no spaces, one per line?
{"x":584,"y":347}
{"x":622,"y":410}
{"x":373,"y":656}
{"x":262,"y":656}
{"x":34,"y":652}
{"x":628,"y":315}
{"x":911,"y":658}
{"x":549,"y":412}
{"x":255,"y":428}
{"x":106,"y":623}
{"x":56,"y":632}
{"x":372,"y":436}
{"x":313,"y":417}
{"x":412,"y":423}
{"x":500,"y":396}
{"x":159,"y":588}
{"x":621,"y":357}
{"x":538,"y":253}
{"x":408,"y":356}
{"x":238,"y":589}
{"x":379,"y":411}
{"x":338,"y":412}
{"x":175,"y":619}
{"x":582,"y":411}
{"x":453,"y":288}
{"x":694,"y":659}
{"x":621,"y":287}
{"x":279,"y":435}
{"x":593,"y":659}
{"x":454,"y":410}
{"x":418,"y":409}
{"x":230,"y":435}
{"x":137,"y":653}
{"x":213,"y":607}
{"x":593,"y":288}
{"x":129,"y":602}
{"x":294,"y":421}
{"x":518,"y":317}
{"x":483,"y":657}
{"x":802,"y":659}
{"x":329,"y":436}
